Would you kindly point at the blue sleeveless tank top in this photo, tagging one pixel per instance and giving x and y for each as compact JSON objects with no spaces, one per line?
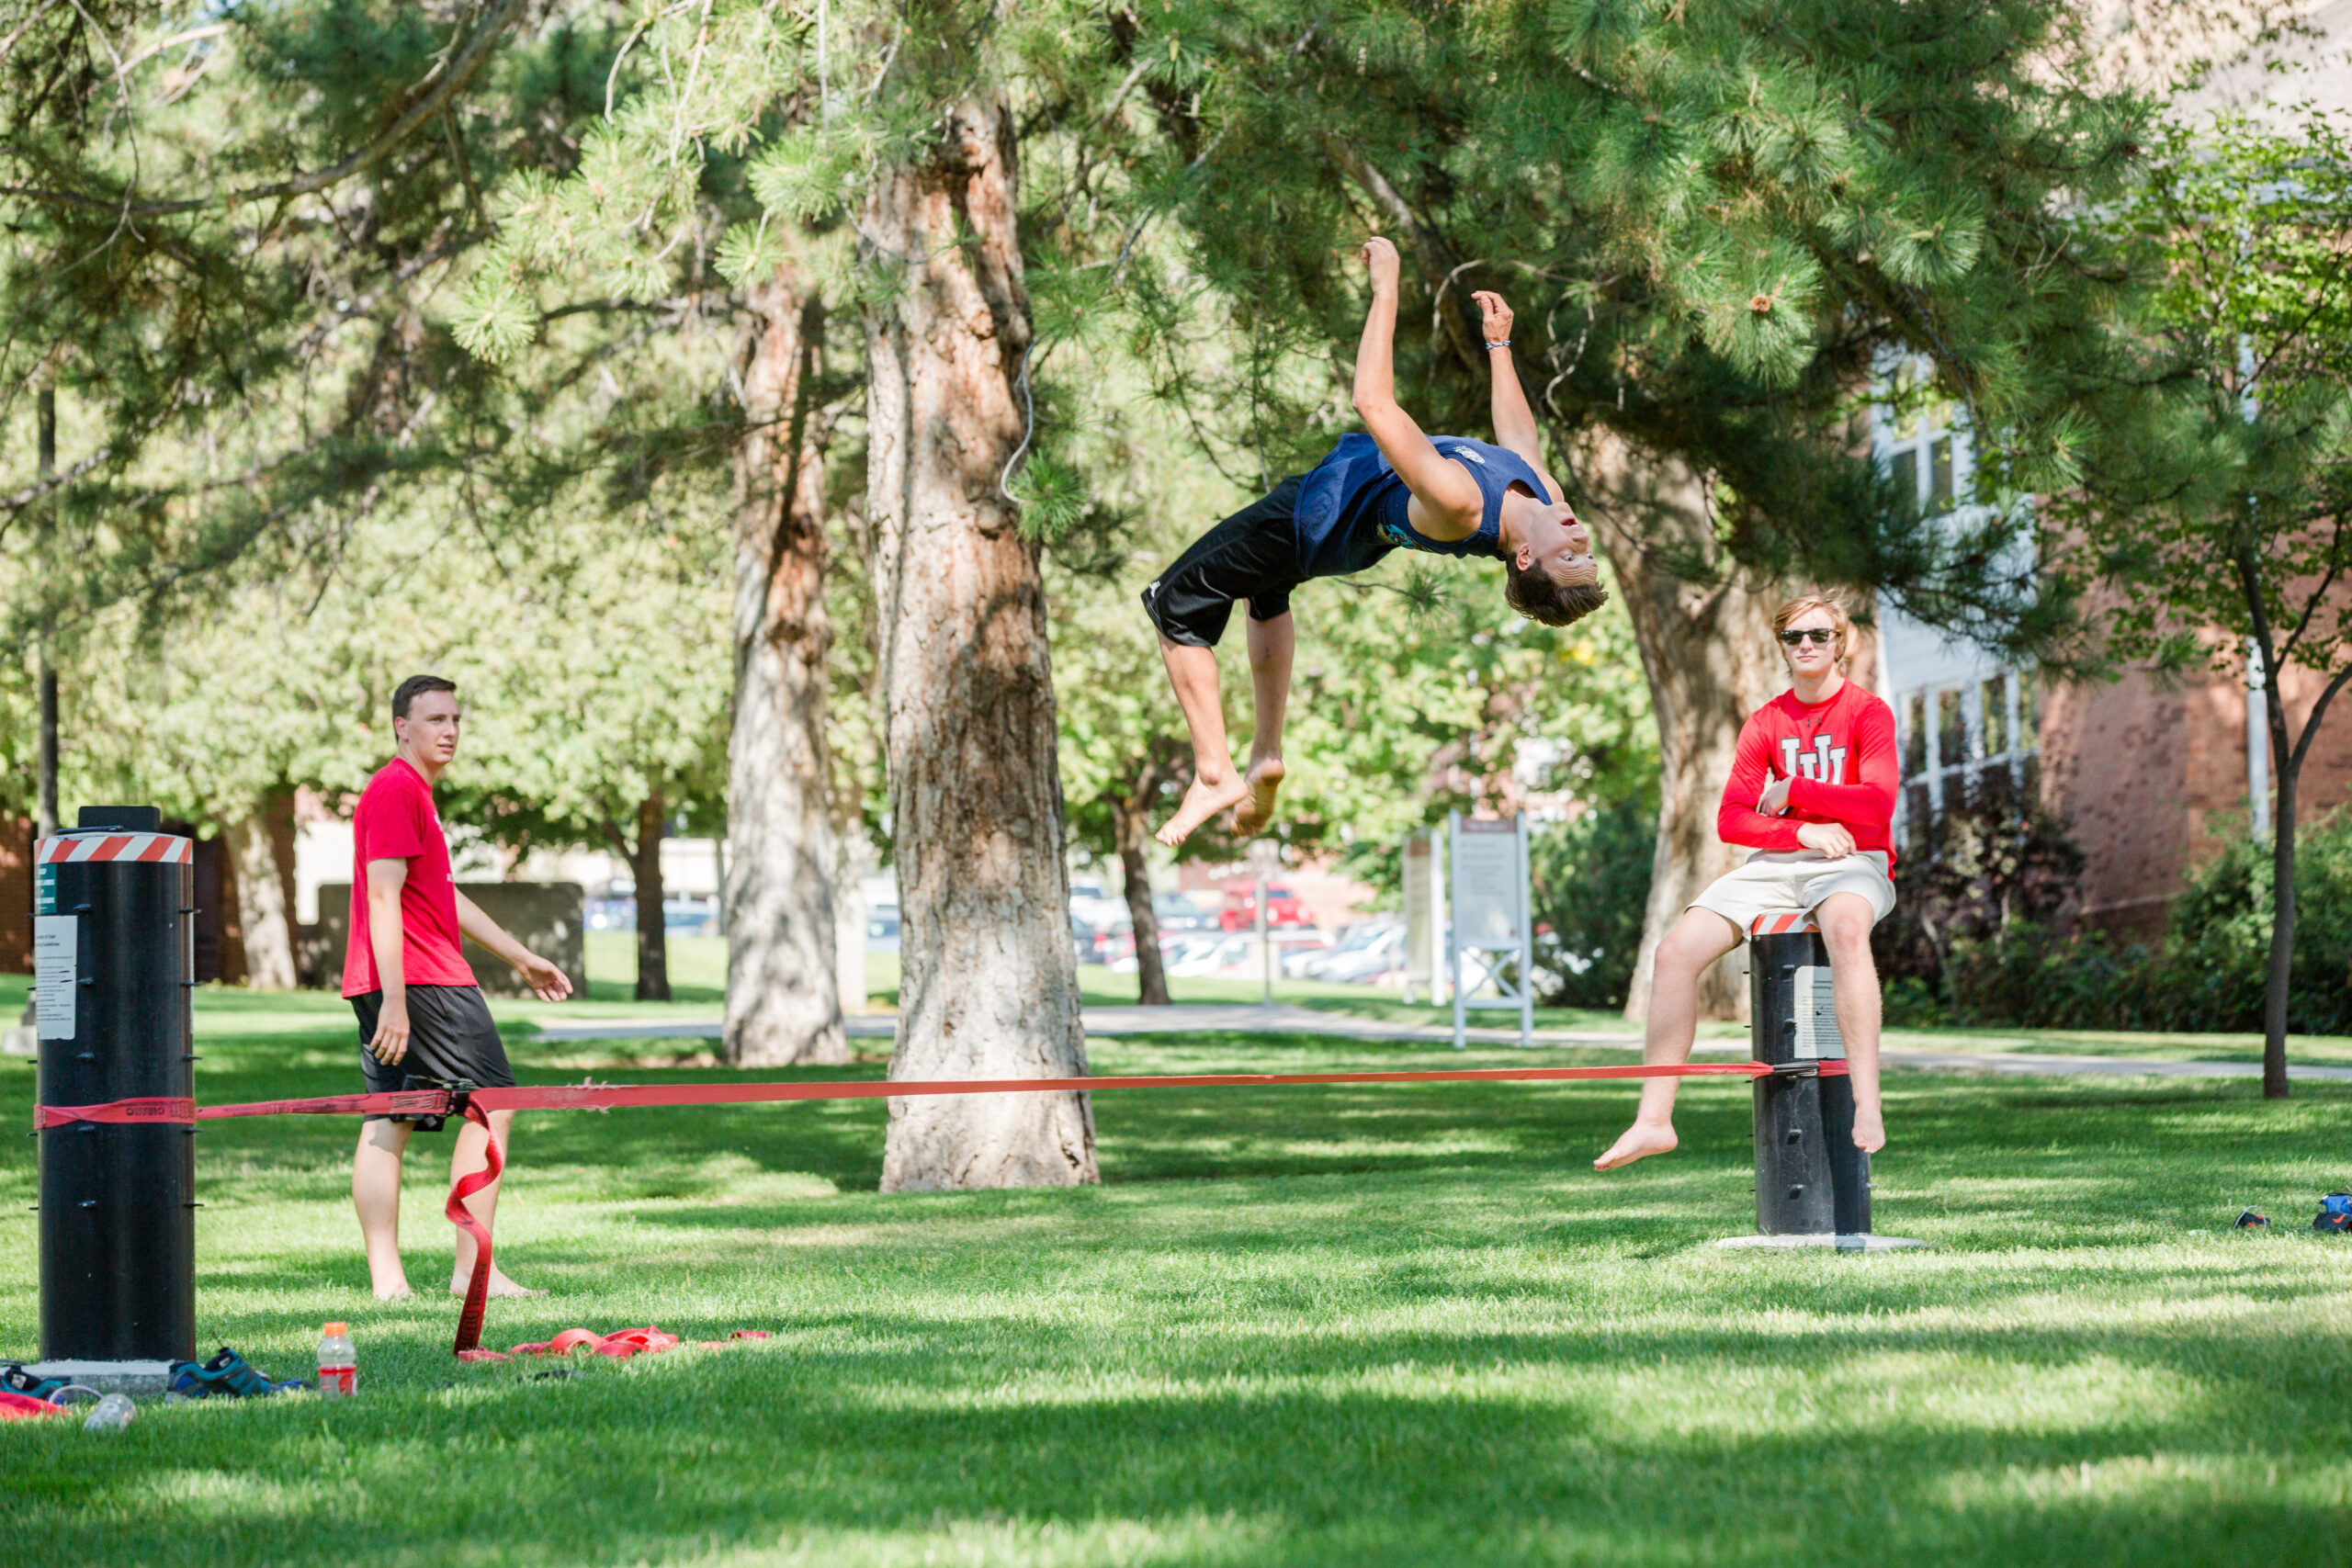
{"x":1351,"y":511}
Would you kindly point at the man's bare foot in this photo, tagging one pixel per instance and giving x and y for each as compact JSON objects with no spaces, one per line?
{"x":500,"y":1286}
{"x":1870,"y":1133}
{"x":1637,"y":1142}
{"x":1257,"y":808}
{"x":396,"y":1292}
{"x":1202,"y":801}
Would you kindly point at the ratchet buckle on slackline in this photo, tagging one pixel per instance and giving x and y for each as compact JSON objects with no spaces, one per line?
{"x":1796,"y":1069}
{"x":455,"y":1095}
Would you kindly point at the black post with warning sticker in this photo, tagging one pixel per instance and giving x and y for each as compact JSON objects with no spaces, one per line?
{"x":114,"y":964}
{"x":1812,"y":1186}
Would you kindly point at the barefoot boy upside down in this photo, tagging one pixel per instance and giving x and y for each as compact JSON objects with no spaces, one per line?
{"x":1396,"y":488}
{"x":1812,"y":792}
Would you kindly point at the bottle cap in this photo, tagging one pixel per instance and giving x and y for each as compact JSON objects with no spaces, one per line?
{"x":338,"y":1329}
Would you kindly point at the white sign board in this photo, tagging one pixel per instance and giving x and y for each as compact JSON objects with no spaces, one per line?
{"x":1486,"y":888}
{"x":1487,"y":857}
{"x":54,"y":938}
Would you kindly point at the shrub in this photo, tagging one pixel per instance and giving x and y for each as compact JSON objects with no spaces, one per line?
{"x":1995,"y":857}
{"x":2206,"y":975}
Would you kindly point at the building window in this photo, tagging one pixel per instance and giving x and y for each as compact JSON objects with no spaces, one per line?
{"x":1919,"y":437}
{"x":1948,"y":736}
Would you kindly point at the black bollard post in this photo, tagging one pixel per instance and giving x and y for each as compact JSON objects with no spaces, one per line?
{"x":1812,"y":1186}
{"x":113,"y":962}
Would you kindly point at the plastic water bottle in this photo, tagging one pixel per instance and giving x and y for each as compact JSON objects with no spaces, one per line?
{"x":338,"y":1363}
{"x":113,"y":1414}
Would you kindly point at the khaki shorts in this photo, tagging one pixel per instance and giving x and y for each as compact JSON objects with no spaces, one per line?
{"x":1775,"y":880}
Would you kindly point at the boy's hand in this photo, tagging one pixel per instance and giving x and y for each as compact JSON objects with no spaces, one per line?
{"x":1775,"y":798}
{"x":549,"y":983}
{"x":1831,"y":839}
{"x":1493,"y":316}
{"x":1381,"y":257}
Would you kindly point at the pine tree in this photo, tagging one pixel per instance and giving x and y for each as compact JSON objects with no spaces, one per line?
{"x":1715,"y":223}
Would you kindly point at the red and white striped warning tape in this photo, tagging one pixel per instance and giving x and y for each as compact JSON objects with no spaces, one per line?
{"x":159,"y":849}
{"x":1781,"y":922}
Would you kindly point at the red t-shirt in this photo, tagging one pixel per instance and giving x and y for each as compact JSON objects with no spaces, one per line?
{"x":396,"y":821}
{"x":1840,"y":756}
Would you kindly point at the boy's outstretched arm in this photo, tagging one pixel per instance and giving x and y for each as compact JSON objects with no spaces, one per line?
{"x":1449,"y":496}
{"x":1514,"y":421}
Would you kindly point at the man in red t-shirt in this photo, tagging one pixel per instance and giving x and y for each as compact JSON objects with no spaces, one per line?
{"x":420,"y":1012}
{"x":1812,"y":792}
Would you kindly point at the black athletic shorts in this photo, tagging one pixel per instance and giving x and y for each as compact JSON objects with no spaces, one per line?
{"x":450,"y":1035}
{"x":1251,"y":555}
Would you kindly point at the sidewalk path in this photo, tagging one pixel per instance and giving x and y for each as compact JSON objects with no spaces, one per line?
{"x":1288,"y":1018}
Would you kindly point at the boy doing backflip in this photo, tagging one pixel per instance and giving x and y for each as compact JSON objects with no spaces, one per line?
{"x":1393,"y":489}
{"x":405,"y":975}
{"x":1812,"y":792}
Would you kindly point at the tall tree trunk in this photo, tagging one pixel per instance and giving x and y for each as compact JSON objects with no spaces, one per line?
{"x":45,"y":822}
{"x":1707,"y":653}
{"x":2278,"y":978}
{"x":784,"y":1000}
{"x":263,"y":915}
{"x":1132,"y":827}
{"x":853,"y":857}
{"x":652,"y":924}
{"x":988,"y":988}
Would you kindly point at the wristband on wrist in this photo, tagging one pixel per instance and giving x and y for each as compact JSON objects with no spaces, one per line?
{"x":1505,"y":343}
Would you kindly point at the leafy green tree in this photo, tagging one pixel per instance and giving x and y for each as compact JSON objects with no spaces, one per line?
{"x":2240,"y":524}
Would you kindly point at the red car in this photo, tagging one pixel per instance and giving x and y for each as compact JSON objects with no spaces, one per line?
{"x":1240,"y":912}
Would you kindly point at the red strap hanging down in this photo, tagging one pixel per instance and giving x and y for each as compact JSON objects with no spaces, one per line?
{"x":477,"y":1284}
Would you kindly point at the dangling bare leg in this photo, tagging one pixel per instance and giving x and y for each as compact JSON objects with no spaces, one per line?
{"x":1216,"y":784}
{"x":1698,"y":939}
{"x":1271,"y":645}
{"x":1845,"y":919}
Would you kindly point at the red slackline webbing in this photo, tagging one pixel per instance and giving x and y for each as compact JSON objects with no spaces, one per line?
{"x":605,"y":1097}
{"x":478,"y":1103}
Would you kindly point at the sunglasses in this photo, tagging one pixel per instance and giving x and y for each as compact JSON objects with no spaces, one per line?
{"x":1818,"y":636}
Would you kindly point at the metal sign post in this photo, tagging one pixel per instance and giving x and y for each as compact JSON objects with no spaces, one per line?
{"x":1489,"y":858}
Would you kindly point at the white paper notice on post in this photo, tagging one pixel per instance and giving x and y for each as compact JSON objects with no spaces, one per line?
{"x":53,"y":987}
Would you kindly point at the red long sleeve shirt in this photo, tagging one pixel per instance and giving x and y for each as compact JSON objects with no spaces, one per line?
{"x":1839,"y":755}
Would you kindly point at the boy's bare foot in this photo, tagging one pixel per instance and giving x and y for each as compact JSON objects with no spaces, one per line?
{"x":500,"y":1285}
{"x":1257,"y":808}
{"x":1637,"y":1142}
{"x":1869,"y":1133}
{"x":396,"y":1292}
{"x":1202,"y":801}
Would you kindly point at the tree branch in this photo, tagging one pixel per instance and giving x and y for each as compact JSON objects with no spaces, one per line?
{"x":462,"y":68}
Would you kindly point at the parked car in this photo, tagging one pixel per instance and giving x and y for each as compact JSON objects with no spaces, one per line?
{"x":1283,"y":909}
{"x":1364,"y":936}
{"x":1382,"y":955}
{"x":612,"y":914}
{"x":1180,"y":912}
{"x":1100,"y":944}
{"x":690,"y":916}
{"x":882,"y":929}
{"x":1211,"y":953}
{"x":680,"y":916}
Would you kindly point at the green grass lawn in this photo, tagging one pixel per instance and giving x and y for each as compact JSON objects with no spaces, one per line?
{"x":1327,"y":1325}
